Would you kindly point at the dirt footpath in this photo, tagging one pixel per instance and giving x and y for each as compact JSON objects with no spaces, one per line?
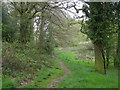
{"x":59,"y":79}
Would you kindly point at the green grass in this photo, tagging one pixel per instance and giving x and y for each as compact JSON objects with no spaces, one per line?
{"x":46,"y":76}
{"x":43,"y":77}
{"x":9,"y":83}
{"x":84,"y":76}
{"x":0,"y":83}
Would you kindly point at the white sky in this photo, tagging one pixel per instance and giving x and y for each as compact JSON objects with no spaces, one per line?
{"x":72,"y":11}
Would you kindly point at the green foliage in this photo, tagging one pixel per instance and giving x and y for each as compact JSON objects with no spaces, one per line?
{"x":8,"y":31}
{"x":70,"y":36}
{"x":100,"y":25}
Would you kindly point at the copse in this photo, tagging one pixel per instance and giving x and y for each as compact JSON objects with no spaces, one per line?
{"x":27,"y":13}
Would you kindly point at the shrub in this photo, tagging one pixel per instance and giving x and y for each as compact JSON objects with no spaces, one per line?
{"x":25,"y":58}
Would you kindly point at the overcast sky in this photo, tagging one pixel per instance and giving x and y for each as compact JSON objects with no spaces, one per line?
{"x":72,"y":11}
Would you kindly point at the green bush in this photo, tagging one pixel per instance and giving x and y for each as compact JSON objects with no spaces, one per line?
{"x":25,"y":58}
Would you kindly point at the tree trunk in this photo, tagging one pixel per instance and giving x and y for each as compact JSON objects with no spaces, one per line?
{"x":99,"y":60}
{"x":107,"y":57}
{"x":117,"y":60}
{"x":30,"y":28}
{"x":41,"y":44}
{"x":24,"y":32}
{"x":50,"y":39}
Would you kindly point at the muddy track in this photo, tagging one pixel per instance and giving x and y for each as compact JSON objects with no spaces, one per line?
{"x":59,"y":79}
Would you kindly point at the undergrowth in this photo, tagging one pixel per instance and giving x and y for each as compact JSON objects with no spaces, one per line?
{"x":20,"y":62}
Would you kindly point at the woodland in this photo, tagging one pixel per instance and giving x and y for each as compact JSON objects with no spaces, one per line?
{"x":60,"y":44}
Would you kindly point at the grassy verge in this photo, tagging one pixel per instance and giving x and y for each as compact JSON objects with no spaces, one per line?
{"x":46,"y":76}
{"x":84,"y":76}
{"x":43,"y":77}
{"x":22,"y":63}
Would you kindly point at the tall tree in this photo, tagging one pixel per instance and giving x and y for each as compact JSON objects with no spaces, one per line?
{"x":98,"y":31}
{"x":8,"y":32}
{"x":26,"y":11}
